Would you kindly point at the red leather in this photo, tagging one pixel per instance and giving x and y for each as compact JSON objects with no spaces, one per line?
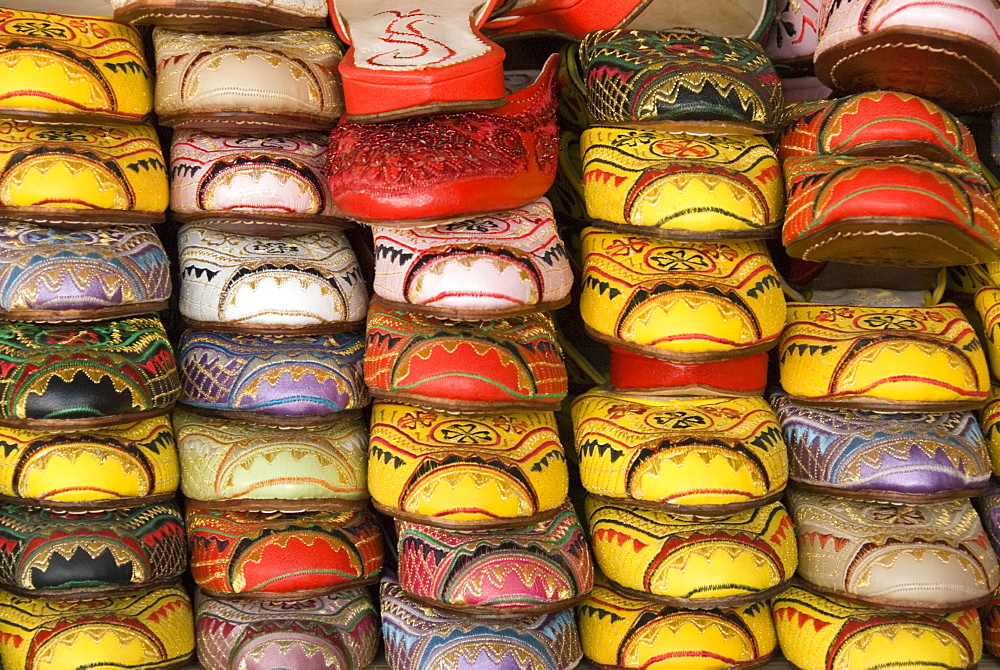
{"x":448,"y":165}
{"x":631,"y":371}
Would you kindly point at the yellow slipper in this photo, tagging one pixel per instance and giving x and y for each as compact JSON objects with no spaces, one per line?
{"x":682,"y":186}
{"x":622,"y":632}
{"x":480,"y":470}
{"x":688,"y":301}
{"x":683,"y":455}
{"x":818,"y":632}
{"x":694,"y":562}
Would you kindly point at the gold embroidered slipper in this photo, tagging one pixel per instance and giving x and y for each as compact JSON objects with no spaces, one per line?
{"x":703,"y":456}
{"x":694,"y":562}
{"x":223,"y":16}
{"x":470,"y":471}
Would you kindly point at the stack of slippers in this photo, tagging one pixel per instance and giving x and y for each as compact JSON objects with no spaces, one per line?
{"x":461,"y":354}
{"x":681,"y":457}
{"x":880,"y":379}
{"x":93,"y":544}
{"x":271,"y":437}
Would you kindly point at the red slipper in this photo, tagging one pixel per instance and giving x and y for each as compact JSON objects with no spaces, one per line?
{"x":408,"y":59}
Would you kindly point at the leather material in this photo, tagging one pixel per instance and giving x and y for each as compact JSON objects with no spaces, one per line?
{"x":340,"y":630}
{"x":695,"y":455}
{"x":248,"y":283}
{"x":843,"y":208}
{"x":883,"y":358}
{"x":991,"y":626}
{"x":282,"y":556}
{"x":247,"y":183}
{"x":110,"y":466}
{"x":82,"y":175}
{"x":228,"y":461}
{"x":818,"y":631}
{"x":895,"y":457}
{"x":795,"y":33}
{"x":223,"y":16}
{"x":534,"y":569}
{"x":55,"y":275}
{"x":876,"y":123}
{"x":989,"y":504}
{"x":442,"y":63}
{"x":990,"y":420}
{"x":945,"y":50}
{"x":987,"y":303}
{"x":484,"y":366}
{"x":152,"y":630}
{"x":268,"y":379}
{"x":682,"y":301}
{"x":508,"y":263}
{"x":576,"y":18}
{"x":465,"y":471}
{"x":447,"y":166}
{"x":674,"y":185}
{"x":802,"y":89}
{"x":420,"y":636}
{"x":679,"y":81}
{"x":632,"y":372}
{"x":72,"y":69}
{"x":80,"y":553}
{"x":933,"y":557}
{"x":276,"y":82}
{"x":694,"y":562}
{"x":96,"y":374}
{"x":619,"y":630}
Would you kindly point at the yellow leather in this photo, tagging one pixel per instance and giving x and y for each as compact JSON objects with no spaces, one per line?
{"x":686,"y":301}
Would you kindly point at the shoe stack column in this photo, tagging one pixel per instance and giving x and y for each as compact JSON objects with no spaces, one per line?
{"x":681,"y":456}
{"x":272,"y":439}
{"x":878,"y":373}
{"x":89,"y":530}
{"x":463,"y":362}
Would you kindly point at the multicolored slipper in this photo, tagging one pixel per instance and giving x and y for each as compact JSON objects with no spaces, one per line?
{"x":81,"y":176}
{"x":419,"y":636}
{"x":633,"y":373}
{"x":682,"y":301}
{"x":274,"y":555}
{"x":261,"y":185}
{"x":675,"y":185}
{"x":483,"y":366}
{"x":76,"y":554}
{"x":153,"y":630}
{"x":817,"y":631}
{"x":686,"y":455}
{"x":989,"y":418}
{"x":72,"y":69}
{"x":506,"y":264}
{"x":225,"y":463}
{"x":52,"y":274}
{"x":679,"y":81}
{"x":888,"y":211}
{"x":126,"y":465}
{"x":304,"y":380}
{"x":622,"y":632}
{"x":223,"y":16}
{"x":934,"y":557}
{"x":891,"y":359}
{"x":471,"y":471}
{"x":85,"y":375}
{"x":299,"y":285}
{"x":694,"y":562}
{"x":535,"y":569}
{"x":448,"y":167}
{"x":876,"y":123}
{"x":885,"y":456}
{"x":948,"y":51}
{"x":987,"y":303}
{"x":340,"y":630}
{"x":270,"y":83}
